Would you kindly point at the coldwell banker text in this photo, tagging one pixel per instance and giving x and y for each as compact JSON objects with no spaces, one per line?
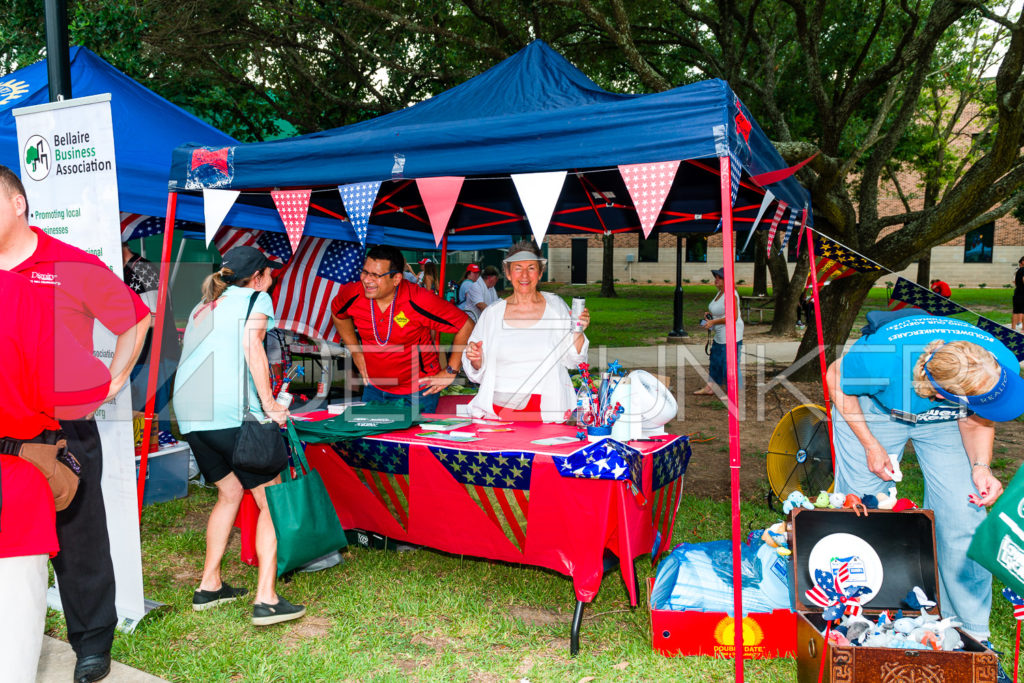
{"x":74,"y":147}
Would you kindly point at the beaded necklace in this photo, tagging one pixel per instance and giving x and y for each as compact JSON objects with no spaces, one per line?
{"x":391,"y":320}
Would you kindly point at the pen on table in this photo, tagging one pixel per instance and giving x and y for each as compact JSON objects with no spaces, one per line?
{"x":646,"y":439}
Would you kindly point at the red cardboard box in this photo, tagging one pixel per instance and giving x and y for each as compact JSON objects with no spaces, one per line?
{"x":765,"y":634}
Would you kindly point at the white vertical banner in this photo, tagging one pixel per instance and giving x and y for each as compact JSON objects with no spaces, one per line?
{"x":70,"y":177}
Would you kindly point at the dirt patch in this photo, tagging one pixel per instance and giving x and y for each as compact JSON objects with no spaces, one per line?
{"x":304,"y":629}
{"x":536,"y":616}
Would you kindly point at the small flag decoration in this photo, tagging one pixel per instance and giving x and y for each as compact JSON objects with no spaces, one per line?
{"x":538,"y":193}
{"x":773,"y":228}
{"x":1012,"y":339}
{"x":648,"y":186}
{"x":605,"y":459}
{"x":667,"y":488}
{"x":216,"y":204}
{"x":383,"y":467}
{"x":358,"y":199}
{"x":439,"y":195}
{"x":1016,"y":601}
{"x":292,"y":205}
{"x":912,"y":294}
{"x":834,"y":261}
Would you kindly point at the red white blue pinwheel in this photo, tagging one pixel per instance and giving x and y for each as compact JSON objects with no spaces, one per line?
{"x":832,"y":592}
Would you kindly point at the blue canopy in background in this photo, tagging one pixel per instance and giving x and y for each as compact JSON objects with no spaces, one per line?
{"x":532,"y":112}
{"x":147,"y":128}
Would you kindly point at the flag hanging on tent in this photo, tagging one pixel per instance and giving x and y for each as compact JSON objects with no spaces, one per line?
{"x":439,"y":195}
{"x":136,"y":226}
{"x":292,"y":205}
{"x":667,"y":488}
{"x":648,"y":186}
{"x":305,"y":288}
{"x":834,"y":261}
{"x":358,"y":199}
{"x":1012,"y":339}
{"x":907,"y":293}
{"x":773,"y":228}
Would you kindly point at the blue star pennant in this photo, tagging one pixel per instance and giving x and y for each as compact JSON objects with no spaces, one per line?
{"x":383,"y":468}
{"x":1012,"y":339}
{"x":667,"y":488}
{"x":358,"y":199}
{"x":916,"y":295}
{"x":604,"y":459}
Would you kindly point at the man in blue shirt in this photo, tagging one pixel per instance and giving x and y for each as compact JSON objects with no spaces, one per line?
{"x":941,"y":383}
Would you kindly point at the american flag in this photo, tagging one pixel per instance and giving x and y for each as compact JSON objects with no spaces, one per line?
{"x":383,"y":468}
{"x":229,"y":238}
{"x":499,"y":483}
{"x":1016,"y":601}
{"x":605,"y":459}
{"x":136,"y":226}
{"x":1012,"y":339}
{"x":648,"y":185}
{"x":834,"y":261}
{"x":306,"y":286}
{"x":910,"y":293}
{"x":667,"y":488}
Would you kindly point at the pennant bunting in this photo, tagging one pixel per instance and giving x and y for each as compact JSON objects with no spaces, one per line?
{"x":768,"y":197}
{"x":439,"y":197}
{"x":1013,"y":340}
{"x":605,"y":459}
{"x":216,"y":204}
{"x":667,"y":489}
{"x":648,"y":185}
{"x":789,"y":229}
{"x":538,"y":193}
{"x":358,"y":199}
{"x":310,"y":281}
{"x":763,"y":179}
{"x":779,"y":210}
{"x":915,"y":295}
{"x":834,"y":261}
{"x":293,"y":206}
{"x":383,"y":468}
{"x":499,"y":483}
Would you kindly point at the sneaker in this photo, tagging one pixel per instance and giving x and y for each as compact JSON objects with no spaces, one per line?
{"x":206,"y":599}
{"x":265,"y":615}
{"x":1001,"y":676}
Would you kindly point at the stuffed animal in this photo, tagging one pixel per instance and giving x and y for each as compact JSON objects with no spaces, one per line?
{"x":887,"y":501}
{"x":775,"y":536}
{"x":835,"y":500}
{"x":796,"y":500}
{"x":916,"y":599}
{"x":870,"y":501}
{"x":822,"y":500}
{"x":904,"y":504}
{"x":854,"y":503}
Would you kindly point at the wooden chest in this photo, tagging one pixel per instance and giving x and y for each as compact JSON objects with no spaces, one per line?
{"x":905,"y":543}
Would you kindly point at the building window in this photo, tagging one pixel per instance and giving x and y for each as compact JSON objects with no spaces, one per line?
{"x":747,"y":255}
{"x":978,"y":244}
{"x":648,"y":248}
{"x":697,"y":249}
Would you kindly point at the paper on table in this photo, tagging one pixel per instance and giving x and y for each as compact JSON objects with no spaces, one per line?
{"x":441,"y":436}
{"x":556,"y":441}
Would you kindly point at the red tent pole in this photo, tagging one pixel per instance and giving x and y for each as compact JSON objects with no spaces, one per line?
{"x":733,"y":387}
{"x":821,"y":339}
{"x":154,"y":345}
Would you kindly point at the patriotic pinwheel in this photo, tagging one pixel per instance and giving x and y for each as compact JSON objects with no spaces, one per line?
{"x":832,"y":593}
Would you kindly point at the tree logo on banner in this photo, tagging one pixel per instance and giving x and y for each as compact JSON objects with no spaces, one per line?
{"x":37,"y":158}
{"x":648,"y":185}
{"x":293,"y":206}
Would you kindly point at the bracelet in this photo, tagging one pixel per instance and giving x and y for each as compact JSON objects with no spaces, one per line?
{"x":981,"y":464}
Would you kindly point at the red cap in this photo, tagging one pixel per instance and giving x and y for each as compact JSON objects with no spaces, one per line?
{"x":472,"y":268}
{"x":424,"y":261}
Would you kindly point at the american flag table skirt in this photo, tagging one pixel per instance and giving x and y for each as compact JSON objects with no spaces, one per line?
{"x":505,"y":498}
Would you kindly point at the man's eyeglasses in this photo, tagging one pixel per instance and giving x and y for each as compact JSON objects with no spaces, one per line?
{"x":375,"y":276}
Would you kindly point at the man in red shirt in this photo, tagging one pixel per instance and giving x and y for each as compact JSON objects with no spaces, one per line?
{"x":39,"y":382}
{"x":397,"y":359}
{"x":941,"y":288}
{"x":80,"y":290}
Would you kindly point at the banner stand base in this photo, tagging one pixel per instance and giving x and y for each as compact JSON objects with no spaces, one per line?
{"x":126,"y":623}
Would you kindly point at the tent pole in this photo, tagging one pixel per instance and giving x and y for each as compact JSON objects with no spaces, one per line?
{"x":154,"y":345}
{"x":733,"y":387}
{"x":821,"y":339}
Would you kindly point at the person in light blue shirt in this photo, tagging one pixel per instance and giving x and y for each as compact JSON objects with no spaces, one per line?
{"x":223,"y":362}
{"x":940,"y":383}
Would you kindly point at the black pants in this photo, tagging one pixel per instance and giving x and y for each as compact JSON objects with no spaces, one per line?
{"x":84,"y":568}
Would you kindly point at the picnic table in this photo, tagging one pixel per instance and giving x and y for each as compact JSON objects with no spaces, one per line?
{"x":756,"y":304}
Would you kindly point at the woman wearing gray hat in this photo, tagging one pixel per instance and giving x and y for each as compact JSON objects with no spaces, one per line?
{"x":714,"y":320}
{"x":522,"y":348}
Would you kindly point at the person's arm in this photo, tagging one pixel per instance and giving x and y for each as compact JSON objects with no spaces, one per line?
{"x":256,"y":357}
{"x":347,"y":331}
{"x":126,"y":352}
{"x":444,"y":378}
{"x":849,"y":407}
{"x":978,"y":434}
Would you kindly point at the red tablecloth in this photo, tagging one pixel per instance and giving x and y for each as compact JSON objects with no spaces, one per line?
{"x":504,"y":498}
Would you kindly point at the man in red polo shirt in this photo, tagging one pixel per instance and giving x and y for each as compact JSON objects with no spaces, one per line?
{"x":39,"y":382}
{"x":80,"y":290}
{"x":397,"y":359}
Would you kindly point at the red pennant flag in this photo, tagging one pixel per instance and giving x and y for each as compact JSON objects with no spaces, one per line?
{"x":439,"y":198}
{"x":293,"y":206}
{"x":648,"y":185}
{"x":770,"y":177}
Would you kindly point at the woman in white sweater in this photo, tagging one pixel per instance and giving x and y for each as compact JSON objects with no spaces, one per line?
{"x":522,"y":347}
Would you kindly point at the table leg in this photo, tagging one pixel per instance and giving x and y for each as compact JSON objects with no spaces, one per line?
{"x":574,"y":634}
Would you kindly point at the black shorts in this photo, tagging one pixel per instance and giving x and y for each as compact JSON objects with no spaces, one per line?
{"x":1018,"y":301}
{"x":212,"y":449}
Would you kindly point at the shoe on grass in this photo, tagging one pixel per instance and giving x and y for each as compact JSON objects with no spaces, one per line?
{"x":206,"y":599}
{"x":265,"y":615}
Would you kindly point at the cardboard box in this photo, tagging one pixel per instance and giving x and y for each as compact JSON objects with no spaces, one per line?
{"x":166,"y":474}
{"x":905,"y":543}
{"x":765,"y":634}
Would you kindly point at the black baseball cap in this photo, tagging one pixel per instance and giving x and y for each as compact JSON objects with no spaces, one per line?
{"x":244,"y":261}
{"x":718,"y":272}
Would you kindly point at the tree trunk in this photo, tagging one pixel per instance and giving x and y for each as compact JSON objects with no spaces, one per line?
{"x":788,"y":298}
{"x":760,"y":264}
{"x":840,"y":303}
{"x":924,"y":270}
{"x":607,"y":272}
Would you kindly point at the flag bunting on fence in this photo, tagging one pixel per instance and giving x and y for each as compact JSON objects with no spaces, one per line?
{"x":907,"y":293}
{"x":835,"y":261}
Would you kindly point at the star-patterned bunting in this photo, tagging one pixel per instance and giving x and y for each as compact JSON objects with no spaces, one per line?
{"x":358,"y":199}
{"x":648,"y":185}
{"x":1013,"y":340}
{"x":293,"y":206}
{"x":909,"y":293}
{"x":667,"y":488}
{"x":383,"y":467}
{"x":604,"y":459}
{"x":834,"y":261}
{"x":498,"y":482}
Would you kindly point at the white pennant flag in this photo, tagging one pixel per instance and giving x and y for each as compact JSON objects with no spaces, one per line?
{"x":216,"y":204}
{"x":538,"y":193}
{"x":768,"y":199}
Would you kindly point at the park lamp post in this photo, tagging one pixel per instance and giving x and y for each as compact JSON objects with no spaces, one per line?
{"x":678,"y":333}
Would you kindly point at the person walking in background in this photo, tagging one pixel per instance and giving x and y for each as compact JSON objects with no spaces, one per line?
{"x":223,"y":368}
{"x":714,"y":319}
{"x":1018,"y":297}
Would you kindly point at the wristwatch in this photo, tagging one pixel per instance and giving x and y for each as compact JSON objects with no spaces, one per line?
{"x":450,"y":370}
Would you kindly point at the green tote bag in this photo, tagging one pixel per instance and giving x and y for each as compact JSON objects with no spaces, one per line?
{"x":998,"y":543}
{"x":305,"y":521}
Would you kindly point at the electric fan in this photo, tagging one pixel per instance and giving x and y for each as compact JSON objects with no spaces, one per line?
{"x":799,"y":457}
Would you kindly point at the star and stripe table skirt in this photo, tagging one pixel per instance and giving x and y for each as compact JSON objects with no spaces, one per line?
{"x":506,"y":498}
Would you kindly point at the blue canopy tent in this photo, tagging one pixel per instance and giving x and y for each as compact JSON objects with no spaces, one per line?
{"x":535,"y":112}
